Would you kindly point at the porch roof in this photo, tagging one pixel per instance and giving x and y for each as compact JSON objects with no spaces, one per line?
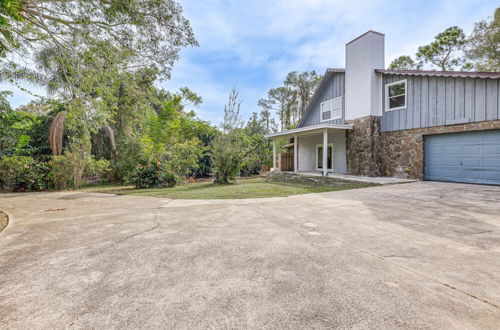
{"x":315,"y":129}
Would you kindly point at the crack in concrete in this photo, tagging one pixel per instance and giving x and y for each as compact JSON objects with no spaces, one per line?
{"x":154,"y":227}
{"x":398,"y":256}
{"x":489,"y":303}
{"x":481,"y":232}
{"x":383,"y":258}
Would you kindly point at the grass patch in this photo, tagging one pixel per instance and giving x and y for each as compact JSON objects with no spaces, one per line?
{"x":4,"y":220}
{"x":244,"y":188}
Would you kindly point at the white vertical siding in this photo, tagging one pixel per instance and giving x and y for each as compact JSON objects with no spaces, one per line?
{"x":363,"y":56}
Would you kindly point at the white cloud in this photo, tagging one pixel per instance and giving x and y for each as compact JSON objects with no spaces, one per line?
{"x":251,"y":45}
{"x":276,"y":37}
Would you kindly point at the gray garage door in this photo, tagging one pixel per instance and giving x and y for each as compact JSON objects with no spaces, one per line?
{"x":472,"y":157}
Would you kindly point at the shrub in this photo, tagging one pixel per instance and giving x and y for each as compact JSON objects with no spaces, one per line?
{"x":153,"y":175}
{"x":68,"y":168}
{"x":128,"y":158}
{"x":96,"y":170}
{"x":182,"y":158}
{"x":19,"y":173}
{"x":13,"y":169}
{"x":258,"y":153}
{"x":227,"y":157}
{"x":62,"y":172}
{"x":35,"y":177}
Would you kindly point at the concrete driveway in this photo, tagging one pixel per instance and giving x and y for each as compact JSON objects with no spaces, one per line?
{"x":420,"y":255}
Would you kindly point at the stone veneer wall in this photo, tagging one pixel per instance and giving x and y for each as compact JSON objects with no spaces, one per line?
{"x":398,"y":153}
{"x":401,"y":153}
{"x":362,"y":146}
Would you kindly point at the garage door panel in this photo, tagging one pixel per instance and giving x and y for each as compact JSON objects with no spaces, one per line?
{"x":492,"y":149}
{"x":452,"y":172}
{"x":492,"y":162}
{"x":472,"y":157}
{"x":492,"y":175}
{"x":472,"y":138}
{"x":472,"y":173}
{"x":449,"y":139}
{"x":471,"y":162}
{"x":472,"y":150}
{"x":491,"y":136}
{"x":435,"y":151}
{"x":455,"y":150}
{"x":449,"y":161}
{"x":435,"y":172}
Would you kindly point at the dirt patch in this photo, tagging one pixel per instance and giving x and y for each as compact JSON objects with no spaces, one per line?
{"x":4,"y":220}
{"x":82,"y":195}
{"x":211,"y":179}
{"x":319,"y":181}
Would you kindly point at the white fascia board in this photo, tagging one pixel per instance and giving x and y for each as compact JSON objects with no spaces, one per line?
{"x":308,"y":129}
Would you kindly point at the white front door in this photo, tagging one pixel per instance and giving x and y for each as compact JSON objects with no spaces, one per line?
{"x":319,"y":157}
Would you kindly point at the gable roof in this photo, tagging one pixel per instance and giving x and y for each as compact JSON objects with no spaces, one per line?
{"x":326,"y":76}
{"x":461,"y":74}
{"x":364,"y":34}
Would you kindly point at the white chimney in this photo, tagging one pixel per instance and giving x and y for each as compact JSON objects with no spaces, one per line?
{"x":363,"y":87}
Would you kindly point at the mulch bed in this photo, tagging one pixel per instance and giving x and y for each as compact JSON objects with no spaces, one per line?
{"x":4,"y":219}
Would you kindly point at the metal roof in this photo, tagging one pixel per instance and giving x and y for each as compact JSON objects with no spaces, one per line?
{"x":335,"y":70}
{"x":461,"y":74}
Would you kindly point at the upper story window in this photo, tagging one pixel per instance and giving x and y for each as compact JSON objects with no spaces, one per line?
{"x":331,"y":109}
{"x":395,"y":95}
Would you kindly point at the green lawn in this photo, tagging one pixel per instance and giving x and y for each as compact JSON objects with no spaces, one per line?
{"x":245,"y":188}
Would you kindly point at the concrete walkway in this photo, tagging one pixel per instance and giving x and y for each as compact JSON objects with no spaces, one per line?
{"x":408,"y":256}
{"x":368,"y":179}
{"x":358,"y":178}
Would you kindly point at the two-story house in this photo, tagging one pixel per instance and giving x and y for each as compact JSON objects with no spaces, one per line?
{"x":426,"y":125}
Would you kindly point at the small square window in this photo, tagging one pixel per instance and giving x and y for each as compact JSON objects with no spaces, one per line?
{"x":395,"y":95}
{"x":331,"y":109}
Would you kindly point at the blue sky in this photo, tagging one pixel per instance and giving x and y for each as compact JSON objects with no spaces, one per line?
{"x":252,"y":45}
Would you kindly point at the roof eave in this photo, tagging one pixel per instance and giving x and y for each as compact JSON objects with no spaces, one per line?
{"x":308,"y":129}
{"x":459,"y":74}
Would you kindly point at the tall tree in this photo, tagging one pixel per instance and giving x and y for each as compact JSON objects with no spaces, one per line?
{"x":404,"y":62}
{"x":267,"y":120}
{"x":232,"y":118}
{"x":304,"y":84}
{"x":150,"y":31}
{"x":483,"y":46}
{"x":284,"y":101}
{"x":444,"y":51}
{"x":255,"y":125}
{"x":290,"y":100}
{"x":8,"y":138}
{"x":260,"y":124}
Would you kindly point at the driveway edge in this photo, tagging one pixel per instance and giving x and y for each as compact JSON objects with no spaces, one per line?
{"x":9,"y":220}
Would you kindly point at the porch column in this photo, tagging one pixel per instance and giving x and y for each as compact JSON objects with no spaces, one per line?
{"x":275,"y":165}
{"x":325,"y":152}
{"x":295,"y":153}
